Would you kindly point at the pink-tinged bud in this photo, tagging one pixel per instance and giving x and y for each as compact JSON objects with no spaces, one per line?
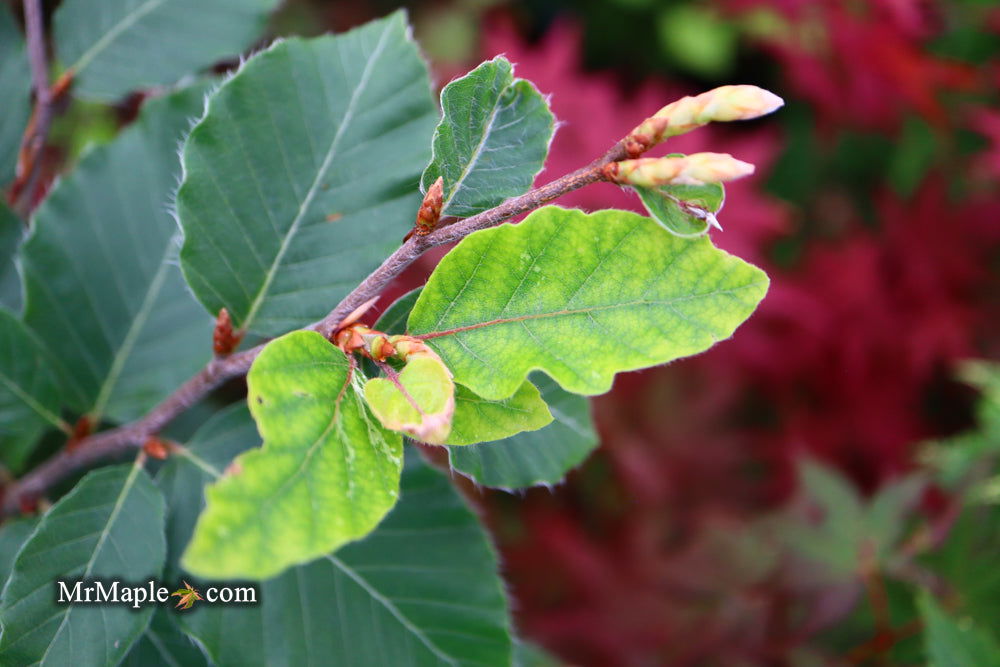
{"x":725,"y":103}
{"x":694,"y":169}
{"x":430,"y":209}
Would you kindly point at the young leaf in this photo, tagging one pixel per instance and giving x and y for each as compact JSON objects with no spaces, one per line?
{"x":326,"y":475}
{"x":479,"y":420}
{"x":951,"y":643}
{"x":102,"y":286}
{"x":422,"y":589}
{"x":683,"y":209}
{"x":533,"y":457}
{"x":418,"y":401}
{"x":15,"y":91}
{"x":492,"y":140}
{"x":110,"y":526}
{"x":29,"y":391}
{"x":301,"y":177}
{"x":116,"y":46}
{"x":580,"y":297}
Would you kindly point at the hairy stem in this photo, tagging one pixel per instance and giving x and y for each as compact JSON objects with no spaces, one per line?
{"x":108,"y":444}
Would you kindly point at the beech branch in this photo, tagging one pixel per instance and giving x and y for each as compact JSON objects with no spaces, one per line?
{"x":24,"y":493}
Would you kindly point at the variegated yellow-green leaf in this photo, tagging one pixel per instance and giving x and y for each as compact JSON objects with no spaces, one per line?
{"x":326,"y":474}
{"x":581,"y":297}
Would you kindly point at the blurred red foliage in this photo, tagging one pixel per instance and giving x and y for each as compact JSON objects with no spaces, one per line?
{"x":649,"y":555}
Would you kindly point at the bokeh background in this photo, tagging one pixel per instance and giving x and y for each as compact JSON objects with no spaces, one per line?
{"x":784,"y":498}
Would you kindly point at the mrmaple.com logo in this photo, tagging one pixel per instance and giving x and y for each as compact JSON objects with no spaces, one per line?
{"x":113,"y":592}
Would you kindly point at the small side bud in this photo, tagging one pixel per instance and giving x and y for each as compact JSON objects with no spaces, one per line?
{"x":81,"y":429}
{"x":726,"y":103}
{"x":156,"y":448}
{"x":694,"y":169}
{"x":224,"y":339}
{"x":430,"y":210}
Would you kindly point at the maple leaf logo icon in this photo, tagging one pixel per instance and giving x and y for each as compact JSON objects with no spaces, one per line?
{"x":188,"y":595}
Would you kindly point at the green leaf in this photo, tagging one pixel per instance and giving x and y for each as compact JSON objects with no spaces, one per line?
{"x":326,"y":475}
{"x":110,"y":526}
{"x":117,"y":46}
{"x":534,"y":457}
{"x":302,"y":175}
{"x":420,"y":590}
{"x":479,"y":420}
{"x":393,"y":320}
{"x":581,"y":297}
{"x":13,"y":535}
{"x":955,"y":643}
{"x":15,"y":91}
{"x":670,"y":205}
{"x":419,"y":401}
{"x":103,"y":290}
{"x":11,"y":233}
{"x":29,"y":391}
{"x":492,"y":140}
{"x":163,"y":643}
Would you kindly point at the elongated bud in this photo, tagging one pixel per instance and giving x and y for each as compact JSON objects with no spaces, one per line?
{"x":725,"y":103}
{"x":224,"y":339}
{"x":430,"y":210}
{"x":694,"y":169}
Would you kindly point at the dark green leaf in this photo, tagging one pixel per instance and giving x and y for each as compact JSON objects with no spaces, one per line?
{"x":117,"y":46}
{"x":13,"y":535}
{"x":100,"y":268}
{"x":11,"y":233}
{"x":533,"y":457}
{"x":163,"y":643}
{"x":302,"y":176}
{"x":29,"y":391}
{"x":580,"y":297}
{"x":15,"y":91}
{"x":109,"y":526}
{"x":492,"y":140}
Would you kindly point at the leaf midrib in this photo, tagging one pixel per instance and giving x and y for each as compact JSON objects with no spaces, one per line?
{"x":579,"y":311}
{"x":317,"y":181}
{"x":474,"y":158}
{"x":119,"y":502}
{"x":392,"y":609}
{"x":124,"y":24}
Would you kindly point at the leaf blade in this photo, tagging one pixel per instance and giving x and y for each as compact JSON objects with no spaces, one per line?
{"x":638,"y":291}
{"x":15,"y":91}
{"x":326,"y":475}
{"x":110,"y":525}
{"x":116,"y":46}
{"x":491,"y":141}
{"x":102,"y":287}
{"x":323,"y":114}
